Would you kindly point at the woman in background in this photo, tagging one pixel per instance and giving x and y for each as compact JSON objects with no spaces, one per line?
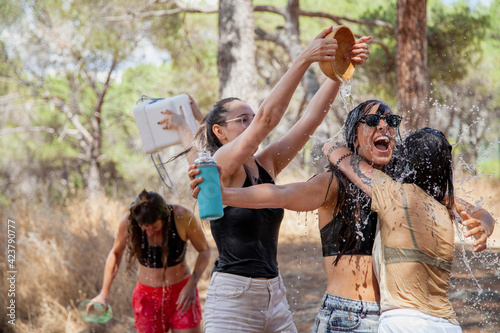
{"x":156,"y":234}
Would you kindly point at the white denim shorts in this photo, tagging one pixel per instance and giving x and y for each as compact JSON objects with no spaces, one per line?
{"x":239,"y":304}
{"x":414,"y":321}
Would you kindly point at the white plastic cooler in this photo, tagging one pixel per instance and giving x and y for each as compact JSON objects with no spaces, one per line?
{"x":149,"y":112}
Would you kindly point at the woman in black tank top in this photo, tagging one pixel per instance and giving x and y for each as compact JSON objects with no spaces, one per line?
{"x":246,"y":291}
{"x":156,"y":234}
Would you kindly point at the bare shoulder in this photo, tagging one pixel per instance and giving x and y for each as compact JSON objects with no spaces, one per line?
{"x":184,"y":218}
{"x":123,"y":225}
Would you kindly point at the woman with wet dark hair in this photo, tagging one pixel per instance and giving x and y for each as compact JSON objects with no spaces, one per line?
{"x":156,"y":234}
{"x":414,"y":246}
{"x":347,"y":224}
{"x":246,"y":291}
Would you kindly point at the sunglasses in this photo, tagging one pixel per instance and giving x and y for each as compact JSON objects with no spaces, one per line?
{"x":373,"y":120}
{"x":245,"y":119}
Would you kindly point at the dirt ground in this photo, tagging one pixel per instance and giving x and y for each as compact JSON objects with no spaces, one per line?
{"x":475,"y":298}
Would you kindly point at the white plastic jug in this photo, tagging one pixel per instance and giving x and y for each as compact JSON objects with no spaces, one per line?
{"x":149,"y":112}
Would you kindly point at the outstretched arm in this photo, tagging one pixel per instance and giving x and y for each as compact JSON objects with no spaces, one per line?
{"x":479,"y":222}
{"x":303,"y":196}
{"x":285,"y":149}
{"x":112,"y":265}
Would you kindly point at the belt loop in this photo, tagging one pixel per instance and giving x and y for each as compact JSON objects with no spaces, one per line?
{"x":364,"y":309}
{"x":249,"y":284}
{"x":214,"y":274}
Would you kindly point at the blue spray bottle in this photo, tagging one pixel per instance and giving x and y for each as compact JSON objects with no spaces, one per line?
{"x":209,"y":197}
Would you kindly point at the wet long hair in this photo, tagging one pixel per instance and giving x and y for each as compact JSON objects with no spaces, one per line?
{"x":147,"y":208}
{"x":353,"y":208}
{"x":425,"y":159}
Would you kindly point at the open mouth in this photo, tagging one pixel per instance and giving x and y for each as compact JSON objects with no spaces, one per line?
{"x":382,"y":144}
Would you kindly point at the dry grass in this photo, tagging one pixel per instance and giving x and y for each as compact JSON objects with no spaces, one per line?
{"x":61,"y":253}
{"x":484,"y":192}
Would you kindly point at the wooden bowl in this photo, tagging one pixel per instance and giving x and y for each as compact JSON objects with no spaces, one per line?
{"x":341,"y":68}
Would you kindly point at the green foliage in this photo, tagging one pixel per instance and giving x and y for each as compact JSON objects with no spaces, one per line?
{"x":381,"y":67}
{"x":454,"y":36}
{"x":10,"y":12}
{"x":494,"y":32}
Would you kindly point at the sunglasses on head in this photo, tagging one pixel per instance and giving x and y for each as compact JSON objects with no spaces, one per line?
{"x":373,"y":120}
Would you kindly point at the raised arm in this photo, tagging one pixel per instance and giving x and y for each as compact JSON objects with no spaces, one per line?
{"x":233,"y":154}
{"x":112,"y":264}
{"x":177,"y":122}
{"x":194,"y":233}
{"x":357,"y":170}
{"x":282,"y":151}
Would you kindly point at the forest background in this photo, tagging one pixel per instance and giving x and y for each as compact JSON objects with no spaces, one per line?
{"x":72,"y":71}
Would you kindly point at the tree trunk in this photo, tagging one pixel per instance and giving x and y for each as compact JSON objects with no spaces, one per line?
{"x":236,"y":53}
{"x":412,"y":63}
{"x":94,"y":154}
{"x":293,"y":47}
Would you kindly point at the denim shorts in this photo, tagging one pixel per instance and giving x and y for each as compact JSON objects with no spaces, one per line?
{"x":340,"y":314}
{"x":240,"y":304}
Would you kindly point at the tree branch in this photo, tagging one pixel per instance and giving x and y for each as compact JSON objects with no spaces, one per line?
{"x":133,"y":14}
{"x":339,"y":19}
{"x":64,"y":108}
{"x":25,"y":129}
{"x":275,"y":38}
{"x":386,"y":50}
{"x":269,"y":9}
{"x":100,"y":97}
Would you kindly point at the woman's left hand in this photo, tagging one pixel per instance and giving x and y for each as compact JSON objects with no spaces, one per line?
{"x":477,"y":230}
{"x":360,"y":51}
{"x":187,"y":296}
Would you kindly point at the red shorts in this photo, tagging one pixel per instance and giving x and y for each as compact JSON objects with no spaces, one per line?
{"x":155,"y":309}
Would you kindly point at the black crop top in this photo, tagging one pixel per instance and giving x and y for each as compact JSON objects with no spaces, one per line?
{"x":333,"y":245}
{"x":330,"y":236}
{"x":151,"y":255}
{"x":247,"y":239}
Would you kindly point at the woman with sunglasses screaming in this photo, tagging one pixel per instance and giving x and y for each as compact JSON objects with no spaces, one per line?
{"x":246,"y":291}
{"x":414,"y":245}
{"x":346,"y":223}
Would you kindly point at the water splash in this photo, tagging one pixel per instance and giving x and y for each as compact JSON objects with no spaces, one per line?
{"x":345,"y":95}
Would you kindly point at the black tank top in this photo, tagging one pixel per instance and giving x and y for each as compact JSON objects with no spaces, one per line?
{"x":151,"y":255}
{"x":334,"y":244}
{"x":247,"y":239}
